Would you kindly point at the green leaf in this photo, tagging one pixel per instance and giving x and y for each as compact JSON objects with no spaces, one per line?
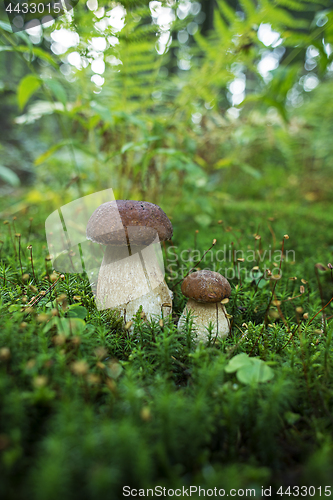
{"x":26,"y":39}
{"x":44,"y":156}
{"x":14,"y":308}
{"x":250,"y":170}
{"x":114,"y":369}
{"x":6,"y":27}
{"x":254,"y":277}
{"x":126,"y":147}
{"x":262,"y":283}
{"x":167,"y":151}
{"x":102,"y":111}
{"x":203,"y":220}
{"x":76,"y":311}
{"x":255,"y":372}
{"x":50,"y":324}
{"x":237,"y":362}
{"x":57,"y":90}
{"x":9,"y":176}
{"x":27,"y":87}
{"x":249,"y":370}
{"x":291,"y":418}
{"x":35,"y":51}
{"x":71,"y":326}
{"x":42,"y":54}
{"x":138,"y":146}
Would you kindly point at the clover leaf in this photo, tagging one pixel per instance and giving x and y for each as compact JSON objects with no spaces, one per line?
{"x":249,"y":370}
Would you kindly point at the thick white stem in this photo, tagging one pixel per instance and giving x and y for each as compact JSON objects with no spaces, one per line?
{"x":130,"y":278}
{"x":203,"y":314}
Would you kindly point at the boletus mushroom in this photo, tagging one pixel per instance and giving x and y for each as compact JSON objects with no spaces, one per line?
{"x":205,"y":290}
{"x":132,"y":272}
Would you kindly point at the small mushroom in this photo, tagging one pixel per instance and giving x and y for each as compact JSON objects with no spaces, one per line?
{"x":132,"y":273}
{"x":205,"y":290}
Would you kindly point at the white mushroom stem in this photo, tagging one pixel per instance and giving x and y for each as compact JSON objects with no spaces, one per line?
{"x":203,"y":314}
{"x":131,"y":277}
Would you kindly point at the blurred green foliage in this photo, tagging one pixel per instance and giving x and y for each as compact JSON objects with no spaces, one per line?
{"x":151,"y":130}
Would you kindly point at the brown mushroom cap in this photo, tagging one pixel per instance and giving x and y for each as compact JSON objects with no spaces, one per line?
{"x":141,"y":221}
{"x":206,"y":286}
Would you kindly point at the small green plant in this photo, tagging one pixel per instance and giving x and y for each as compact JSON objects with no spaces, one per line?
{"x":249,"y":370}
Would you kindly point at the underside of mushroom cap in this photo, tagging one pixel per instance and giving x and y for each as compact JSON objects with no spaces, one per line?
{"x":123,"y":222}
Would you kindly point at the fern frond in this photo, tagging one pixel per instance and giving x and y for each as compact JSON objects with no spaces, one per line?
{"x":203,"y":43}
{"x":293,"y":5}
{"x":227,"y":11}
{"x":279,"y":17}
{"x":293,"y":39}
{"x":248,"y":7}
{"x":220,"y":26}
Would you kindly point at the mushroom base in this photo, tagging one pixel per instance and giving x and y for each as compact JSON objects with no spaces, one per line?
{"x":156,"y":304}
{"x":203,"y":314}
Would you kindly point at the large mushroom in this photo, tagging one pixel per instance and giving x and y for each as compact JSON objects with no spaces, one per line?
{"x":205,"y":290}
{"x":132,"y":272}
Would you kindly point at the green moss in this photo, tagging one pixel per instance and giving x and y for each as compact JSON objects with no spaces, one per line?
{"x":87,"y":408}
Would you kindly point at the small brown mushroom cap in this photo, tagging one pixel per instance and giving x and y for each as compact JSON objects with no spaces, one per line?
{"x":139,"y":223}
{"x":206,"y":286}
